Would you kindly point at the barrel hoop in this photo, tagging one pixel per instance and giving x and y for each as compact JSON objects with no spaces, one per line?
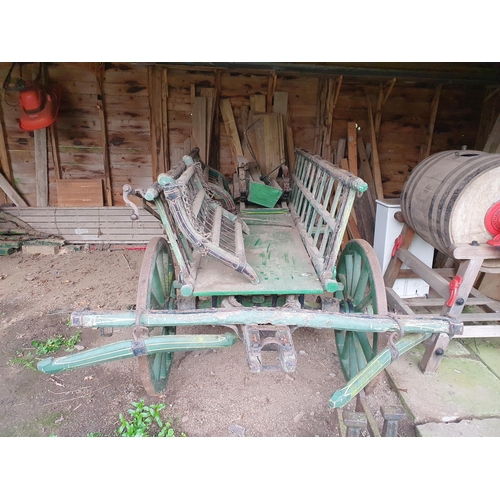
{"x":481,"y":169}
{"x":414,"y":180}
{"x":440,"y":196}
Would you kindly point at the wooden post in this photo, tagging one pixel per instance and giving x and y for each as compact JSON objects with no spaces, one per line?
{"x":41,"y":174}
{"x":271,"y":87}
{"x":55,"y":151}
{"x":493,"y":142}
{"x":214,"y":159}
{"x":430,"y":132}
{"x":377,"y":176}
{"x":5,"y":165}
{"x":352,"y":149}
{"x":104,"y":134}
{"x":231,"y":130}
{"x":383,"y":96}
{"x":164,"y":124}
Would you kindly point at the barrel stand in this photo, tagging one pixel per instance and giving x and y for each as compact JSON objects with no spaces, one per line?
{"x":455,"y":288}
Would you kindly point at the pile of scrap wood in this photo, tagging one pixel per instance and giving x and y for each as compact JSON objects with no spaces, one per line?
{"x":267,"y":136}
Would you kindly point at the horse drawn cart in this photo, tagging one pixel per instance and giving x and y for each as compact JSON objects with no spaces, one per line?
{"x":261,"y":273}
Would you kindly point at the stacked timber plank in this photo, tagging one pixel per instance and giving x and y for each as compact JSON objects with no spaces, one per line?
{"x":91,"y":225}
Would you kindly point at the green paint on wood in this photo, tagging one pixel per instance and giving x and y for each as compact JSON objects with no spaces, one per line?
{"x":262,"y":194}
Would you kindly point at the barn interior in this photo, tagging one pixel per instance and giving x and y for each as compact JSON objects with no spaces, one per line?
{"x":122,"y":123}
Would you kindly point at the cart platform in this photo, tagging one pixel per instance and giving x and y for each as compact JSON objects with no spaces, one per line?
{"x":275,"y":251}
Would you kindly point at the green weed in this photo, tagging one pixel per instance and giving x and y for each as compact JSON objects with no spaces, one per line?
{"x":145,"y":421}
{"x":24,"y":359}
{"x":55,"y":343}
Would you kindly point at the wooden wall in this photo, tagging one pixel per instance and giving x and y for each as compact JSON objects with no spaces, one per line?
{"x":127,"y":98}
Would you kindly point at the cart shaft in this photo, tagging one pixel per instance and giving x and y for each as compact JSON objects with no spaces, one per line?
{"x":131,"y":348}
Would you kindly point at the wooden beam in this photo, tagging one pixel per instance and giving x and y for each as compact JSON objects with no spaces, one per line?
{"x":55,"y":151}
{"x":11,"y":192}
{"x":108,"y":190}
{"x":392,"y":271}
{"x":41,"y":164}
{"x":383,"y":96}
{"x":199,"y":126}
{"x":271,"y":87}
{"x":352,"y":149}
{"x":214,"y":158}
{"x":5,"y":165}
{"x":231,"y":130}
{"x":367,"y":176}
{"x":377,"y":176}
{"x":432,"y":122}
{"x":154,"y":123}
{"x":164,"y":124}
{"x":493,"y":142}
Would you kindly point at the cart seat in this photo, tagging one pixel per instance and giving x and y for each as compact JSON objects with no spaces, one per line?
{"x":211,"y":229}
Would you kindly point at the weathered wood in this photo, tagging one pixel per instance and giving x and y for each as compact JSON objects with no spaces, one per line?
{"x":290,"y":145}
{"x":41,"y":165}
{"x":432,"y":121}
{"x":352,"y":149}
{"x":493,"y":142}
{"x":392,"y":271}
{"x":339,"y":155}
{"x":79,"y":193}
{"x":5,"y":164}
{"x":164,"y":124}
{"x":366,"y":174}
{"x":271,"y":87}
{"x":11,"y":192}
{"x":375,"y":164}
{"x":396,"y":303}
{"x":383,"y":96}
{"x":280,"y":104}
{"x":104,"y":135}
{"x":231,"y":129}
{"x":199,"y":130}
{"x":55,"y":151}
{"x":434,"y":353}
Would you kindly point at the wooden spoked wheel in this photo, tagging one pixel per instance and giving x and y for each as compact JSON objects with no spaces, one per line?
{"x":364,"y":292}
{"x":156,"y":292}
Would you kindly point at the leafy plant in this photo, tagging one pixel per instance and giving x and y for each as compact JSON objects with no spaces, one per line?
{"x":53,"y":344}
{"x":24,"y":359}
{"x":145,"y":421}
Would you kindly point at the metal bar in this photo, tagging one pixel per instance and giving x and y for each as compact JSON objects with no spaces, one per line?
{"x":125,"y":349}
{"x":265,"y":315}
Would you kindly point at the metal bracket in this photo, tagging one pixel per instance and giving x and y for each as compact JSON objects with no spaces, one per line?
{"x":270,"y":338}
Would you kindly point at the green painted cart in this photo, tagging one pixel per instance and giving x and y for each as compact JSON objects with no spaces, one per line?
{"x":261,"y":273}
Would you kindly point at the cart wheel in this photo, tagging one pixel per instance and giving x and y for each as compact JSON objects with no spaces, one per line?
{"x":364,"y":292}
{"x":156,"y":292}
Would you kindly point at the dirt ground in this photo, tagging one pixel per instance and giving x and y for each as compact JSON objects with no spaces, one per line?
{"x":210,"y":393}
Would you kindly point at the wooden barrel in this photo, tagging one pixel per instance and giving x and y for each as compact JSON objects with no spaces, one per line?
{"x":449,"y":196}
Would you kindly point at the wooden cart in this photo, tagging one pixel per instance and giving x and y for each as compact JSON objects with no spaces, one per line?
{"x":261,"y":273}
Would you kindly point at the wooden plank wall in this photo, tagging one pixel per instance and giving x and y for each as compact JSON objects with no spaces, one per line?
{"x":404,"y":121}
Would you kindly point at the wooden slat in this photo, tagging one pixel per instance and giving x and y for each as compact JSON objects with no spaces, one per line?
{"x":436,"y":282}
{"x":199,"y":130}
{"x":352,"y":149}
{"x":11,"y":192}
{"x":377,"y":176}
{"x":79,"y":193}
{"x":231,"y":129}
{"x":493,"y":142}
{"x":432,"y":121}
{"x":41,"y":165}
{"x":5,"y":164}
{"x":215,"y":238}
{"x":396,"y":303}
{"x":104,"y":136}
